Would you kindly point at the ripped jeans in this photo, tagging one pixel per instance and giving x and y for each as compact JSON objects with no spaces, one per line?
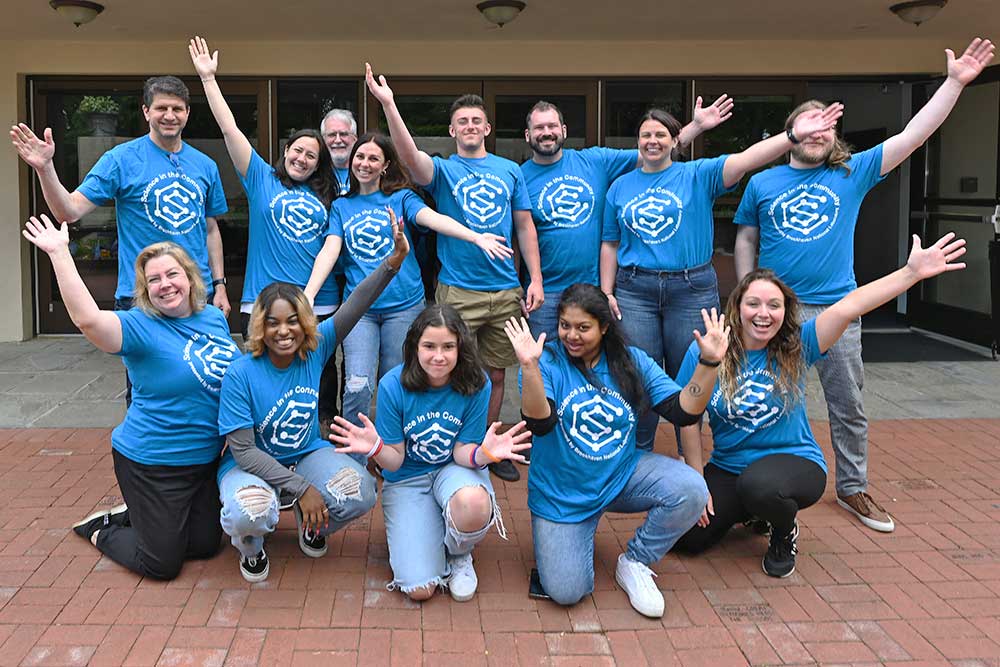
{"x":250,"y":505}
{"x":419,"y":528}
{"x":373,"y":348}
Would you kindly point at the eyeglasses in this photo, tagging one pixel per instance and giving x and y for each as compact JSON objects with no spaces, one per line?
{"x":338,"y":135}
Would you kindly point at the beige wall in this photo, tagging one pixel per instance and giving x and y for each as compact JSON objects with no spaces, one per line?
{"x":745,"y":58}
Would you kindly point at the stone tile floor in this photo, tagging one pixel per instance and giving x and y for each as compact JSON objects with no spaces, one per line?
{"x":928,"y":594}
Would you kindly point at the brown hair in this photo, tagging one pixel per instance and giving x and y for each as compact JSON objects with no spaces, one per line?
{"x":299,"y":303}
{"x":467,"y":101}
{"x":196,"y":295}
{"x":784,"y":351}
{"x":395,"y":177}
{"x":469,"y":375}
{"x":841,"y":153}
{"x":542,"y":105}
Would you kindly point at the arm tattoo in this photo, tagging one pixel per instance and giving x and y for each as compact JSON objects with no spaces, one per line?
{"x":694,"y":389}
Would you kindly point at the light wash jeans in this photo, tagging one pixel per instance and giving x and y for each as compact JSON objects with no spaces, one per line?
{"x":843,"y":377}
{"x":419,"y":528}
{"x":373,"y":348}
{"x":671,"y":492}
{"x":660,"y":310}
{"x":250,"y":505}
{"x":546,"y":318}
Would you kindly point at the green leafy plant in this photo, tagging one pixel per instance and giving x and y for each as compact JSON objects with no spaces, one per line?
{"x":98,"y":104}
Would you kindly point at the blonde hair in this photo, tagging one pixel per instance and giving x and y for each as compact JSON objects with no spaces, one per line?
{"x":196,"y":295}
{"x":841,"y":153}
{"x":299,"y":303}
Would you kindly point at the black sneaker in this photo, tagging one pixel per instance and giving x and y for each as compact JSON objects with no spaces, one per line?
{"x":505,"y":470}
{"x":255,"y":568}
{"x":527,"y":457}
{"x":758,"y":526}
{"x":90,"y":524}
{"x":285,"y":500}
{"x":312,"y":544}
{"x":779,"y":561}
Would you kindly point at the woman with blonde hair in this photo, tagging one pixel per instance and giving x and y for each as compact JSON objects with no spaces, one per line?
{"x":166,"y":451}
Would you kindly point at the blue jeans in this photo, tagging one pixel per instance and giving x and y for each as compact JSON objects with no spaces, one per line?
{"x":843,"y":377}
{"x":419,"y":528}
{"x":250,"y":505}
{"x":546,"y":318}
{"x":373,"y":348}
{"x":660,"y":310}
{"x":671,"y":492}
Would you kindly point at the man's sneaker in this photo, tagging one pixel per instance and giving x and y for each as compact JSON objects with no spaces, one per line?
{"x":527,"y":457}
{"x":870,"y":513}
{"x":312,"y":544}
{"x":505,"y":470}
{"x":255,"y":568}
{"x":285,"y":499}
{"x":637,"y":580}
{"x":463,"y":581}
{"x":88,"y":526}
{"x":758,"y":526}
{"x":779,"y":561}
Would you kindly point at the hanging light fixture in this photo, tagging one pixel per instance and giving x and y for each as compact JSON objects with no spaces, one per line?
{"x":500,"y":12}
{"x":77,"y":11}
{"x":918,"y":11}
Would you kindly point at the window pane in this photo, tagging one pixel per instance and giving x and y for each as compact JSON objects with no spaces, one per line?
{"x":427,"y":119}
{"x":628,"y":100}
{"x":302,"y":103}
{"x":509,"y":124}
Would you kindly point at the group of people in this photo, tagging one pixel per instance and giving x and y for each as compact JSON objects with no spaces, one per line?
{"x":618,"y":324}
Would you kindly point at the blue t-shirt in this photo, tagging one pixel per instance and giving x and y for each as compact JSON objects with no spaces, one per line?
{"x":584,"y":462}
{"x":287,"y":231}
{"x":362,"y":221}
{"x":758,"y":423}
{"x":567,"y":200}
{"x":343,"y":177}
{"x":279,"y":404}
{"x":176,"y":365}
{"x":159,"y":196}
{"x":428,"y":423}
{"x":663,"y":221}
{"x":807,"y":219}
{"x":480,"y":193}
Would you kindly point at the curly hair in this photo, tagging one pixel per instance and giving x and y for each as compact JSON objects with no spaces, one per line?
{"x":197,"y":293}
{"x":841,"y":153}
{"x":784,"y":351}
{"x":469,"y":374}
{"x":299,"y":303}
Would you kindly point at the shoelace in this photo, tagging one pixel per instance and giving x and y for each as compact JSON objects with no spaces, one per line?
{"x":869,"y":503}
{"x":641,"y":567}
{"x":252,"y":561}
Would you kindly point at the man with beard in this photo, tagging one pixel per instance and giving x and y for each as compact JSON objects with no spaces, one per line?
{"x":567,"y":189}
{"x":340,"y":131}
{"x":486,"y":193}
{"x":804,"y":215}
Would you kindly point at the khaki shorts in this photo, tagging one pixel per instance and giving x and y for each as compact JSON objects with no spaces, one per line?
{"x":485,"y":313}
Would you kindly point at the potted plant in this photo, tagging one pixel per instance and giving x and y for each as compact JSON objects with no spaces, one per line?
{"x":101,"y":112}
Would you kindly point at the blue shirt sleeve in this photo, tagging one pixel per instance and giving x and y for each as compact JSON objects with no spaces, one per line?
{"x":257,"y":170}
{"x":746,"y":214}
{"x":710,"y":172}
{"x":235,"y":411}
{"x":810,"y":343}
{"x":215,"y":201}
{"x":335,"y":223}
{"x":132,"y":333}
{"x":474,"y":420}
{"x":866,"y":165}
{"x":659,"y":386}
{"x":100,"y":186}
{"x":412,"y":204}
{"x":521,"y":200}
{"x":618,"y":162}
{"x":327,"y":339}
{"x":610,"y":230}
{"x":389,"y":415}
{"x":547,"y":366}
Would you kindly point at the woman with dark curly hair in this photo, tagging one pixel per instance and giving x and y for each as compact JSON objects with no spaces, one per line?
{"x":765,"y":461}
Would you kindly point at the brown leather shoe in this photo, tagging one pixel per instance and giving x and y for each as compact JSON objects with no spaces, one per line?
{"x":868,"y":511}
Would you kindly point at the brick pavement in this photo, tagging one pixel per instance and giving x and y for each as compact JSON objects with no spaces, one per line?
{"x":928,"y":594}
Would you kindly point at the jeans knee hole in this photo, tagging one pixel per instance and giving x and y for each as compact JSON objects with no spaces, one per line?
{"x":255,"y":501}
{"x":345,"y":485}
{"x":356,"y":384}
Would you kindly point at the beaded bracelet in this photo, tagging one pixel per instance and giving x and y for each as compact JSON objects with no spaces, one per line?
{"x":376,"y":449}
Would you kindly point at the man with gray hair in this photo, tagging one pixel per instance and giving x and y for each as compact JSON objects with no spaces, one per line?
{"x":340,"y":131}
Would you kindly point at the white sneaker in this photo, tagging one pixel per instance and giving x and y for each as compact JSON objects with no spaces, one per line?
{"x":637,"y":580}
{"x":463,"y":581}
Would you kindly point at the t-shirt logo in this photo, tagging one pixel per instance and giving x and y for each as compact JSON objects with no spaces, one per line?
{"x":484,"y":198}
{"x":433,"y":444}
{"x":288,"y":423}
{"x":596,"y":422}
{"x":654,"y":216}
{"x":209,"y":357}
{"x":174,"y":203}
{"x":298,"y":216}
{"x":754,"y":406}
{"x":805,"y":213}
{"x":368,"y":235}
{"x":566,"y":201}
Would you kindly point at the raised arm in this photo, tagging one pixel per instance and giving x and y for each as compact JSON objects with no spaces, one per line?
{"x":322,"y":266}
{"x":770,"y":149}
{"x":534,"y":404}
{"x":419,"y":163}
{"x":494,"y":245}
{"x":101,"y":327}
{"x":66,"y":206}
{"x":961,"y":72}
{"x":745,"y":250}
{"x":712,"y":346}
{"x":527,"y":243}
{"x":705,"y":118}
{"x":923,"y":263}
{"x":206,"y":65}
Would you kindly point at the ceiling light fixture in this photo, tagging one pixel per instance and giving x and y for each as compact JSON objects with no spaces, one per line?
{"x":918,"y":11}
{"x":500,"y":12}
{"x":77,"y":11}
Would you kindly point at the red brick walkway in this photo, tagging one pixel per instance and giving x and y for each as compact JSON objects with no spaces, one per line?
{"x":928,"y":594}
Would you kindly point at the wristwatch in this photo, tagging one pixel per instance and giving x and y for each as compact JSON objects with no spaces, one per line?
{"x":218,"y":281}
{"x":791,"y":136}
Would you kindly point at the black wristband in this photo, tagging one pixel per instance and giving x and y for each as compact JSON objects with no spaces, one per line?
{"x":218,"y":281}
{"x":710,"y":364}
{"x":791,"y":137}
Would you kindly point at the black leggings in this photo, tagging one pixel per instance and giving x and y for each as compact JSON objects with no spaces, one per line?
{"x":173,"y":515}
{"x":773,"y":488}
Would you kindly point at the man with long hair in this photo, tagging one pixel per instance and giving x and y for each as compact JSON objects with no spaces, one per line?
{"x":804,"y":214}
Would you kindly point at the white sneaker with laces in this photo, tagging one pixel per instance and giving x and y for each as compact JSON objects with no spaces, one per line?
{"x":637,"y":580}
{"x":463,"y":581}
